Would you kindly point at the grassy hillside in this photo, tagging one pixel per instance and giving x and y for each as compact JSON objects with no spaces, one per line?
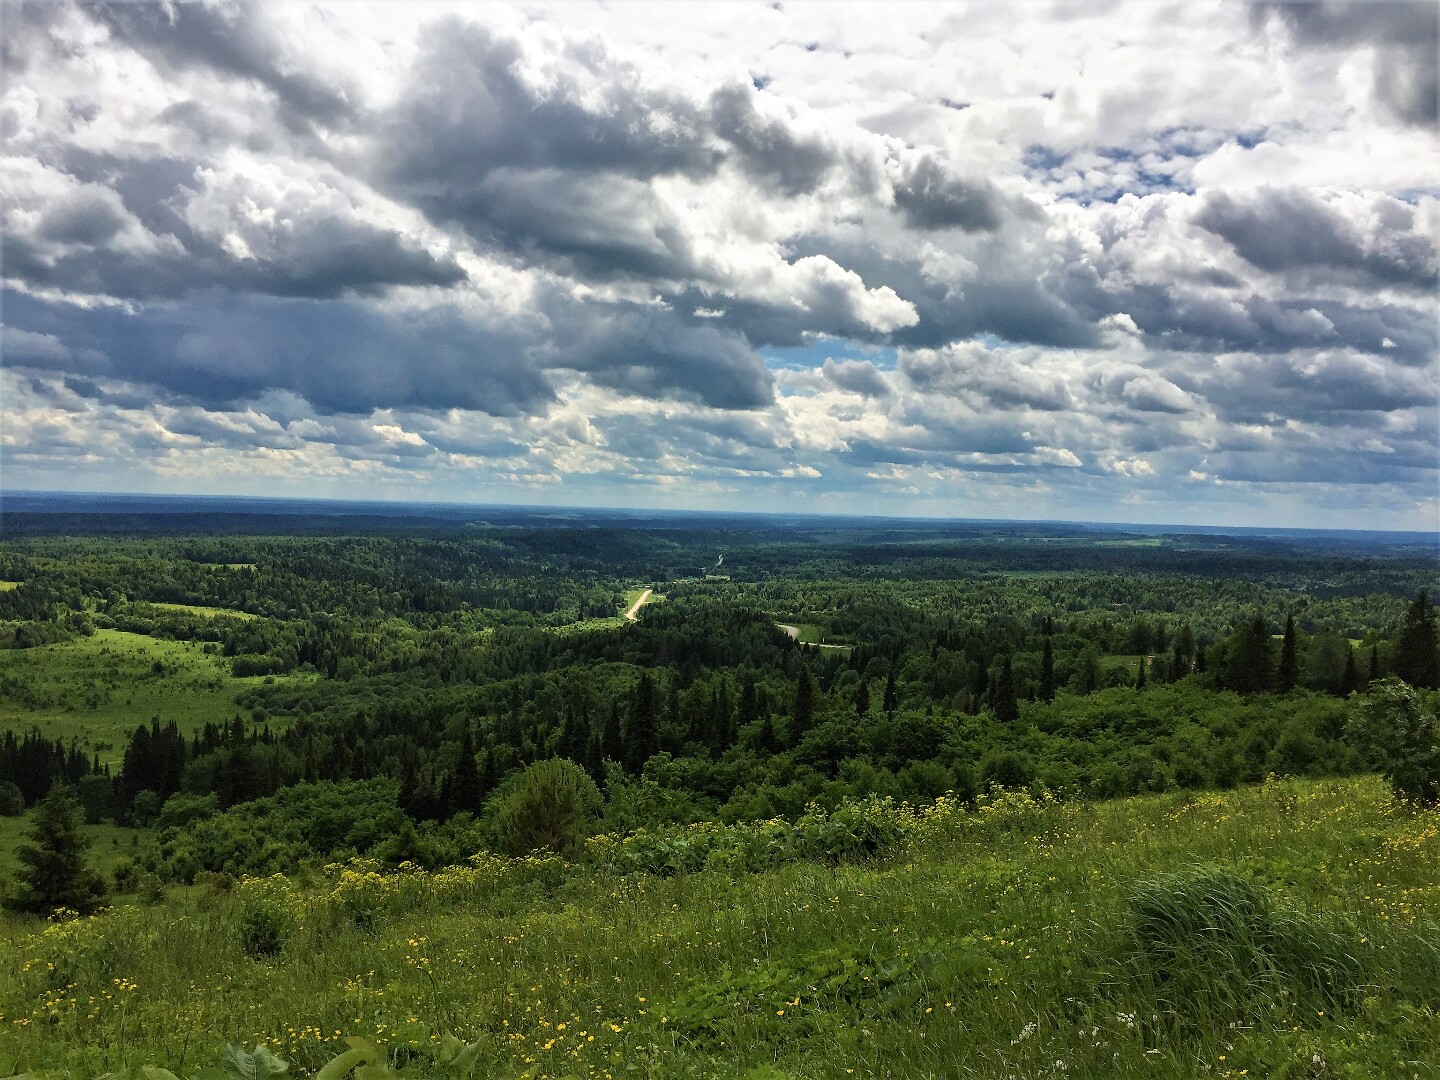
{"x":1282,"y":930}
{"x":97,"y":689}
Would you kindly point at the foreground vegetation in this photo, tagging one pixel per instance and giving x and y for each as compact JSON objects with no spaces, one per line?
{"x":1286,"y":929}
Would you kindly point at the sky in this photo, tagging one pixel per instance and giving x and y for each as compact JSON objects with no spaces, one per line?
{"x":1156,"y":262}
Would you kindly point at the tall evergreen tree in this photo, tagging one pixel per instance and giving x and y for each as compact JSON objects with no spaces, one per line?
{"x":1374,"y":662}
{"x":862,"y":698}
{"x":1200,"y":658}
{"x":1416,"y":659}
{"x":1350,"y":681}
{"x":462,"y":790}
{"x":1002,"y":695}
{"x":1249,"y":665}
{"x":1289,"y":673}
{"x":1047,"y":669}
{"x":1140,"y":675}
{"x":803,"y":715}
{"x":612,"y":744}
{"x":641,"y":738}
{"x":892,"y":698}
{"x":53,"y":873}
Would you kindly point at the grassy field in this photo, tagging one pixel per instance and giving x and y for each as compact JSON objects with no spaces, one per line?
{"x":201,"y":609}
{"x":1287,"y":930}
{"x":97,"y":689}
{"x":6,"y":586}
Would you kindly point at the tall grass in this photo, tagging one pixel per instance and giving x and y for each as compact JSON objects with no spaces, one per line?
{"x":1298,"y":936}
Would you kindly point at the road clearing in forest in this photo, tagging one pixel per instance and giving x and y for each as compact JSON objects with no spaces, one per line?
{"x":634,"y":613}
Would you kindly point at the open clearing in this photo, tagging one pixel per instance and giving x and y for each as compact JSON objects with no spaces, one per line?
{"x":200,"y":609}
{"x":98,"y":689}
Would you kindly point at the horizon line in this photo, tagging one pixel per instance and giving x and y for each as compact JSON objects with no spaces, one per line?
{"x":818,"y":515}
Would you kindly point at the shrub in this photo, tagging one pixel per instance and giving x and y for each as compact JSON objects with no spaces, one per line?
{"x":1401,"y":737}
{"x":550,"y":807}
{"x":1007,"y":769}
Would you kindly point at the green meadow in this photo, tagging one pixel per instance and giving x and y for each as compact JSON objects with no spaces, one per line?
{"x":97,"y":689}
{"x":1281,"y":930}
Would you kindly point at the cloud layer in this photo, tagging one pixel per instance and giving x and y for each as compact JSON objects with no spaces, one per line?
{"x":1128,"y":261}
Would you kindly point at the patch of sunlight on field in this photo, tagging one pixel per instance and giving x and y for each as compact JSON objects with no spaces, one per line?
{"x":98,"y":689}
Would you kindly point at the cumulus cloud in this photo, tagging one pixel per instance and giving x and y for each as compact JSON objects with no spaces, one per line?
{"x":1015,"y":258}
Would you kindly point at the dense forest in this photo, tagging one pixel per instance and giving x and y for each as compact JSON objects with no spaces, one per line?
{"x":416,"y":670}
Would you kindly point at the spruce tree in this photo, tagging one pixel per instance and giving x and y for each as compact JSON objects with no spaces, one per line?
{"x":892,"y":699}
{"x":1002,"y":695}
{"x":612,"y":746}
{"x":862,"y":698}
{"x":1289,"y":673}
{"x":462,"y":792}
{"x":1140,"y":675}
{"x":641,"y":739}
{"x":1047,"y":670}
{"x":1350,"y":681}
{"x":53,"y":873}
{"x":1416,"y":660}
{"x":803,"y":715}
{"x":1374,"y":662}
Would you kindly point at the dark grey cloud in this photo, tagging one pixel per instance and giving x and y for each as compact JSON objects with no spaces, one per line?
{"x":1404,"y":34}
{"x":647,"y":351}
{"x":1008,"y":300}
{"x":1318,"y":388}
{"x":928,"y":197}
{"x":563,"y":169}
{"x":219,"y":350}
{"x":234,"y":38}
{"x":92,"y":239}
{"x":987,"y":380}
{"x":1286,"y":229}
{"x":857,"y":376}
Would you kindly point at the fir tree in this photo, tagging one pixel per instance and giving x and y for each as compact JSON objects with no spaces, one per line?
{"x":1374,"y":662}
{"x":1140,"y":675}
{"x":1416,"y":660}
{"x":892,"y":699}
{"x":612,"y":746}
{"x":640,"y":735}
{"x":803,"y":715}
{"x":462,"y":791}
{"x":1047,"y":670}
{"x":1249,"y":667}
{"x":53,"y":873}
{"x":1200,"y":658}
{"x":1002,"y":695}
{"x":1350,"y":681}
{"x":1289,"y":672}
{"x":862,"y":698}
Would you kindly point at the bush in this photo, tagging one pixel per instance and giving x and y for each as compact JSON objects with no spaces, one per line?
{"x":1400,"y":735}
{"x":551,"y":807}
{"x":1007,"y":769}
